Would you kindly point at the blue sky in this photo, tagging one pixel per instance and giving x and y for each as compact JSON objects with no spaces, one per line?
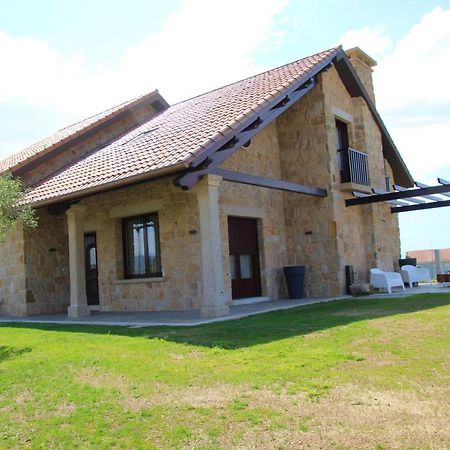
{"x":62,"y":61}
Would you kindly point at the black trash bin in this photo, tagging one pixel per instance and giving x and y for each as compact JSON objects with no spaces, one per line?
{"x":295,"y":280}
{"x":407,"y":261}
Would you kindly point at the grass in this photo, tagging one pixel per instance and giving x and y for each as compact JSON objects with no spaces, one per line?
{"x":363,"y":373}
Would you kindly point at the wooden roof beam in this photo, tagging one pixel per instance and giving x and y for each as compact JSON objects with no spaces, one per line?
{"x":271,"y":183}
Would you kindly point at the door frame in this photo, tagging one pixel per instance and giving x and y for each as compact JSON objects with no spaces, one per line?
{"x":94,"y":307}
{"x":258,"y":256}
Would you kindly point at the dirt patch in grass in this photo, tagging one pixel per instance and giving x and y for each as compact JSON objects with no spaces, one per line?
{"x":100,"y":379}
{"x":364,"y":418}
{"x":65,"y":409}
{"x":216,"y":396}
{"x":191,"y":355}
{"x":24,"y":397}
{"x":133,"y":398}
{"x":347,"y":417}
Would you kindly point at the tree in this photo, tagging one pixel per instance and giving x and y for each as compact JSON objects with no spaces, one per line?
{"x":12,"y":207}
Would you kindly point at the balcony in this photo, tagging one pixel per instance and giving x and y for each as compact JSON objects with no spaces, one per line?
{"x":354,"y":167}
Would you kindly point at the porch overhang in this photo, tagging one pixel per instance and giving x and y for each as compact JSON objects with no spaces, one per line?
{"x":403,"y":199}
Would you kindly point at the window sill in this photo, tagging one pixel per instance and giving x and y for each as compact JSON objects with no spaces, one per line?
{"x":356,"y":187}
{"x":140,"y":280}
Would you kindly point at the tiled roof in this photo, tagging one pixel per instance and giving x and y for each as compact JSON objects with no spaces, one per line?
{"x":178,"y":134}
{"x":65,"y":134}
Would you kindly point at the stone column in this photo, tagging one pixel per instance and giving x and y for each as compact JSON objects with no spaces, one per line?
{"x":214,"y":300}
{"x":78,"y":299}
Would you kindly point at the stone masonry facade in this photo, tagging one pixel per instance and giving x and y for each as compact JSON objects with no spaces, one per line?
{"x":320,"y":233}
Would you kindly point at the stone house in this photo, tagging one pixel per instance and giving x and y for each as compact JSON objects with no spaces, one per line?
{"x":148,"y":206}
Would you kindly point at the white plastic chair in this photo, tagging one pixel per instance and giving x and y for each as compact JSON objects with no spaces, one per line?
{"x":412,"y":274}
{"x":385,"y":280}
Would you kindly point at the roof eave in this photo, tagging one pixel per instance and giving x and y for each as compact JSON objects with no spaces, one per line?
{"x":78,"y":195}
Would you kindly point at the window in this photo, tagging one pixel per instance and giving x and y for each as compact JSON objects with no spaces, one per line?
{"x":141,"y":246}
{"x":387,"y":181}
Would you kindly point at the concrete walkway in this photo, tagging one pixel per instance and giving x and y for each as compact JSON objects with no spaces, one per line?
{"x":191,"y":318}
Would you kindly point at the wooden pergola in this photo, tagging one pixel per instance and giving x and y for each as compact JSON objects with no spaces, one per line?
{"x":404,"y":199}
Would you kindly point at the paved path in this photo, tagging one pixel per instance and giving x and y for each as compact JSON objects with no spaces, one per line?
{"x":190,"y":318}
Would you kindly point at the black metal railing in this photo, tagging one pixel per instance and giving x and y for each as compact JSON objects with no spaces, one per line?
{"x":354,"y":167}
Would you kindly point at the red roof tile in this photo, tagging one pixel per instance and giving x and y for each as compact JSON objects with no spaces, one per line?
{"x":177,"y":135}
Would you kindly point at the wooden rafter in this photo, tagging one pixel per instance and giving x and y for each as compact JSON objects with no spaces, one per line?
{"x":243,"y":134}
{"x":221,"y":149}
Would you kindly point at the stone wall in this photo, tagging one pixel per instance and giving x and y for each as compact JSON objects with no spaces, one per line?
{"x":180,"y":288}
{"x":354,"y":231}
{"x":310,"y":222}
{"x":12,"y":274}
{"x":367,"y":235}
{"x":266,"y":205}
{"x":47,"y":265}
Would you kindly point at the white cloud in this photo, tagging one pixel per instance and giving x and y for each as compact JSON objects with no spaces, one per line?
{"x":413,"y":93}
{"x":196,"y":52}
{"x":417,"y":71}
{"x":33,"y":71}
{"x":413,"y":89}
{"x":203,"y":45}
{"x":371,"y":40}
{"x":424,"y":149}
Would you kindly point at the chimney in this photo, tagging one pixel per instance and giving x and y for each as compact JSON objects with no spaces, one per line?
{"x":363,"y":63}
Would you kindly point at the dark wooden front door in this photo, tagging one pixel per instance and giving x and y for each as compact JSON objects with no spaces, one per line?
{"x":244,"y":257}
{"x":90,"y":264}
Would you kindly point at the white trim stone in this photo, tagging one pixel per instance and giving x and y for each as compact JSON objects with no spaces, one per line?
{"x":343,"y":115}
{"x":252,"y":212}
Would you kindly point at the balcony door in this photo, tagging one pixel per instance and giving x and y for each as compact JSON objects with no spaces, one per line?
{"x":342,"y":145}
{"x":244,"y":257}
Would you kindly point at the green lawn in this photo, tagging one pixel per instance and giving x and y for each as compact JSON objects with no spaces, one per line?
{"x":362,"y":373}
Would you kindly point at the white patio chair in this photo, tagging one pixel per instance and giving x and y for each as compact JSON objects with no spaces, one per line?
{"x":412,"y":274}
{"x":385,"y":280}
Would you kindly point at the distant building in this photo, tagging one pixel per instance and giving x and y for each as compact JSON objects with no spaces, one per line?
{"x":437,"y":261}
